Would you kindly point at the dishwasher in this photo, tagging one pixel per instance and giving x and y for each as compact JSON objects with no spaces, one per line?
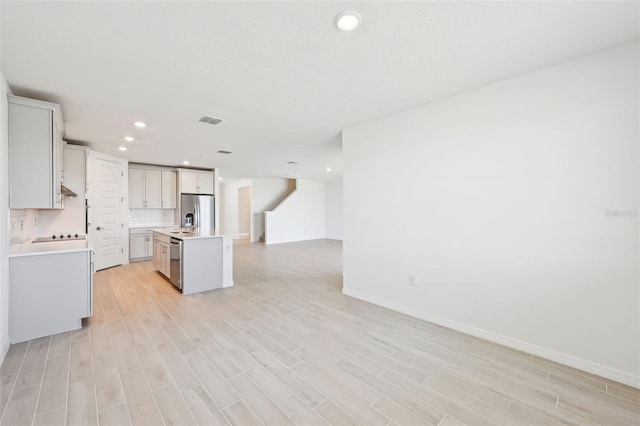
{"x":175,"y":261}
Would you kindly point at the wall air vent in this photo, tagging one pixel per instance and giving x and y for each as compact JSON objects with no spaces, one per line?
{"x":222,"y":151}
{"x":210,"y":120}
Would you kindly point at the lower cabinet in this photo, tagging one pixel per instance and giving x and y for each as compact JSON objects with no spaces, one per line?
{"x":162,"y":254}
{"x":140,"y":244}
{"x":50,"y":293}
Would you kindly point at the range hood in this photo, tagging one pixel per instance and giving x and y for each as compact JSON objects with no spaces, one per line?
{"x":66,"y":192}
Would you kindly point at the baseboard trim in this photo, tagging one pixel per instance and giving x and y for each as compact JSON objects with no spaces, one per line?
{"x":539,"y":351}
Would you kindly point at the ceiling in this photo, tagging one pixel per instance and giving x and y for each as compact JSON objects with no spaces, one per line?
{"x":281,"y":76}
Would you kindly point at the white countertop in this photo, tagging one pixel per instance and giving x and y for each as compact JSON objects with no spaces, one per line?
{"x":195,"y":235}
{"x":152,"y":225}
{"x":29,"y":249}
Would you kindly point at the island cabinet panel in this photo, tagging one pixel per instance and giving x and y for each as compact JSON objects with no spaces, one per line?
{"x":201,"y":264}
{"x":50,"y":293}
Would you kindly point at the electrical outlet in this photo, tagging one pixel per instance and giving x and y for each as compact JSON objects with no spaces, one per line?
{"x":412,"y":280}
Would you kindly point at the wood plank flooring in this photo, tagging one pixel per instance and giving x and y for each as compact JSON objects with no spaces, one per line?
{"x":284,"y":346}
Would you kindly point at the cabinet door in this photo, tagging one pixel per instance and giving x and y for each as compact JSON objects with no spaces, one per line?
{"x":30,"y":157}
{"x":137,"y":246}
{"x":156,"y":253}
{"x":136,"y":188}
{"x":58,"y":165}
{"x":168,"y":190}
{"x":167,"y":260}
{"x":148,"y":245}
{"x":50,"y":293}
{"x":152,"y":189}
{"x":189,"y":182}
{"x":205,"y":183}
{"x":164,"y":254}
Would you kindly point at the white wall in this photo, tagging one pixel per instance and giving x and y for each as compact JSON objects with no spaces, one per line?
{"x":496,"y":200}
{"x":4,"y":219}
{"x":333,"y":209}
{"x":300,"y":217}
{"x":266,"y":194}
{"x":244,"y":210}
{"x":229,"y":205}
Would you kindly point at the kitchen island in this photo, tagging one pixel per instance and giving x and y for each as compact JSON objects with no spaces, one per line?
{"x":194,"y":261}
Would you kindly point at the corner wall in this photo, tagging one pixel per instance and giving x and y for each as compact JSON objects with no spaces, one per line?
{"x":229,"y":207}
{"x":266,"y":195}
{"x":333,"y":209}
{"x":4,"y":218}
{"x":516,"y":208}
{"x":300,"y":216}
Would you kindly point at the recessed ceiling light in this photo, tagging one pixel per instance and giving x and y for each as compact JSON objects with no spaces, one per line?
{"x":185,"y":162}
{"x":129,"y":138}
{"x":122,"y":148}
{"x":348,"y":20}
{"x":140,"y":124}
{"x":328,"y":169}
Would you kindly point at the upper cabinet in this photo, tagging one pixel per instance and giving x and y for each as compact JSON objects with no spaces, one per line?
{"x":152,"y":188}
{"x":35,"y":154}
{"x":168,"y":189}
{"x":196,"y":182}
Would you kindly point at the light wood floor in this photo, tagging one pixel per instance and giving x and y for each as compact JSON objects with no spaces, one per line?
{"x":284,"y":346}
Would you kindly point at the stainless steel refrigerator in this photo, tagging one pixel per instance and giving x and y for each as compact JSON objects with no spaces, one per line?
{"x":197,"y":211}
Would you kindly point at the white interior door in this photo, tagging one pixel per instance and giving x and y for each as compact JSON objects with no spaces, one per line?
{"x":107,"y":224}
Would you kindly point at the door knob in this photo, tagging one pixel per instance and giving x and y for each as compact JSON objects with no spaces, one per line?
{"x":98,"y":228}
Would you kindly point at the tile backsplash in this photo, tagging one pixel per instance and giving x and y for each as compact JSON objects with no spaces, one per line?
{"x":24,"y":225}
{"x":151,"y":216}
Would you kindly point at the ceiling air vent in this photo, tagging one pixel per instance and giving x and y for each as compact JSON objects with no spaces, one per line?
{"x":210,"y":120}
{"x":222,"y":151}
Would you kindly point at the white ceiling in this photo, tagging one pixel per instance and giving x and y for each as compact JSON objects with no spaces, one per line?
{"x":282,"y":77}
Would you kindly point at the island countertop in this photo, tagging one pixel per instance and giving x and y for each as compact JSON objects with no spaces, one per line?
{"x":182,"y":234}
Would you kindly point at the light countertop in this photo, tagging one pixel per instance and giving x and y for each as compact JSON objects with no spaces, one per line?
{"x":152,"y":225}
{"x":193,"y":235}
{"x":30,"y":249}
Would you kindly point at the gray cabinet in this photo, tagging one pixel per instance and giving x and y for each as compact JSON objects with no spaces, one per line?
{"x":140,"y":244}
{"x":35,"y":154}
{"x":50,"y":293}
{"x":196,"y":182}
{"x":168,"y":190}
{"x":162,"y":253}
{"x":152,"y":188}
{"x":144,"y":189}
{"x":71,"y":219}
